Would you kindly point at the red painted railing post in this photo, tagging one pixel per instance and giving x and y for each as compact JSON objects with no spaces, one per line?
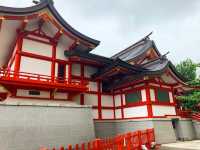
{"x":128,"y":141}
{"x":88,"y":146}
{"x":140,"y":138}
{"x":83,"y":146}
{"x":76,"y":147}
{"x":69,"y":147}
{"x":62,"y":148}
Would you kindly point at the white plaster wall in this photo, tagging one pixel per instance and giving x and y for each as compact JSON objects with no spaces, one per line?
{"x":92,"y":86}
{"x":25,"y":93}
{"x":88,"y":71}
{"x":77,"y":99}
{"x":144,"y":96}
{"x":95,"y":113}
{"x":152,"y":95}
{"x":59,"y":95}
{"x":171,"y":97}
{"x":36,"y":66}
{"x":38,"y":48}
{"x":76,"y":69}
{"x":139,"y":111}
{"x":118,"y":113}
{"x":91,"y":99}
{"x":107,"y":113}
{"x":107,"y":100}
{"x":163,"y":110}
{"x":63,"y":44}
{"x":117,"y":100}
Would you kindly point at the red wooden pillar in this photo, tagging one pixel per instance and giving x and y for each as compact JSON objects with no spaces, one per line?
{"x":82,"y":99}
{"x":18,"y":55}
{"x":148,"y":102}
{"x":114,"y":116}
{"x":53,"y":62}
{"x":99,"y":100}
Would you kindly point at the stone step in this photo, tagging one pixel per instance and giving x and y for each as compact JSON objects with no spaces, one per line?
{"x":187,"y":145}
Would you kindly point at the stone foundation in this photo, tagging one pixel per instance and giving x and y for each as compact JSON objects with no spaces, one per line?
{"x":25,"y":127}
{"x":164,"y":131}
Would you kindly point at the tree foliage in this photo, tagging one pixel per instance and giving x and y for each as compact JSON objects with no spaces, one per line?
{"x":190,"y":100}
{"x":188,"y":69}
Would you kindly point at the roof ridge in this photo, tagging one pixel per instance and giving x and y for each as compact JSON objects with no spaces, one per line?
{"x":136,"y":44}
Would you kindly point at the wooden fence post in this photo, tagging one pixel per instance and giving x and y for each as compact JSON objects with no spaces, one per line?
{"x":83,"y":146}
{"x":69,"y":147}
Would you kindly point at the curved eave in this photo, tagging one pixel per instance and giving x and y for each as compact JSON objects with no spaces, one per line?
{"x":48,"y":4}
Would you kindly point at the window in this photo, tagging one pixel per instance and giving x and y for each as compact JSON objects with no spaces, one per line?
{"x":61,"y":72}
{"x":133,"y":97}
{"x":34,"y":92}
{"x":163,"y":96}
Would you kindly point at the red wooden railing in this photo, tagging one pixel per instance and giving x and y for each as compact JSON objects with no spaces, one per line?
{"x":184,"y":113}
{"x":128,"y":141}
{"x":9,"y":75}
{"x":196,"y":116}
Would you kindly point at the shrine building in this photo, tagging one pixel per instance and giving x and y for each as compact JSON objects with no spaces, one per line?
{"x":53,"y":87}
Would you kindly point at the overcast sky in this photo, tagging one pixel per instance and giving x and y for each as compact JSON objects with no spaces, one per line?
{"x":120,"y":23}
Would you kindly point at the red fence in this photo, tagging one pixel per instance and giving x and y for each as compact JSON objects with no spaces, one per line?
{"x":128,"y":141}
{"x":32,"y":78}
{"x":196,"y":116}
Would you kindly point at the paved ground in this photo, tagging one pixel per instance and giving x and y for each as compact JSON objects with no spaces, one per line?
{"x":187,"y":145}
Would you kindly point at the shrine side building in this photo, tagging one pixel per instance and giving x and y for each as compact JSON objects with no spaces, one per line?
{"x":49,"y":76}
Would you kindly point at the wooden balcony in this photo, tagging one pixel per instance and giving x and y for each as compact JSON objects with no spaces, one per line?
{"x":10,"y":78}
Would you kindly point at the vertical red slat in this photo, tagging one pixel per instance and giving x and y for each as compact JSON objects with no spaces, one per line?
{"x":69,"y":147}
{"x":62,"y":148}
{"x":77,"y":147}
{"x":83,"y":146}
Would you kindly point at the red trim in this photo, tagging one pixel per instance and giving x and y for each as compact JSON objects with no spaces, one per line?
{"x":53,"y":62}
{"x":17,"y":56}
{"x":36,"y":56}
{"x":149,"y":105}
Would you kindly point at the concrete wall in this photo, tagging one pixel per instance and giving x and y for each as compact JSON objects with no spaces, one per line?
{"x":196,"y":125}
{"x":164,"y":131}
{"x":185,"y":130}
{"x":29,"y":127}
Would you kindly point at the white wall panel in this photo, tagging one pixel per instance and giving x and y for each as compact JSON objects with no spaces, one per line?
{"x":76,"y":69}
{"x":163,"y":110}
{"x":140,"y":111}
{"x":91,"y":99}
{"x":107,"y":100}
{"x":76,"y":98}
{"x":37,"y":66}
{"x":95,"y":113}
{"x":59,"y":95}
{"x":118,"y":113}
{"x":171,"y":97}
{"x":88,"y":71}
{"x":107,"y":113}
{"x":92,"y":86}
{"x":117,"y":100}
{"x":38,"y":48}
{"x":25,"y":93}
{"x":152,"y":95}
{"x":144,"y":96}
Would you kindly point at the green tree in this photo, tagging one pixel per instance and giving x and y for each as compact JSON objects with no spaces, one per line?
{"x":191,"y":99}
{"x":188,"y":69}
